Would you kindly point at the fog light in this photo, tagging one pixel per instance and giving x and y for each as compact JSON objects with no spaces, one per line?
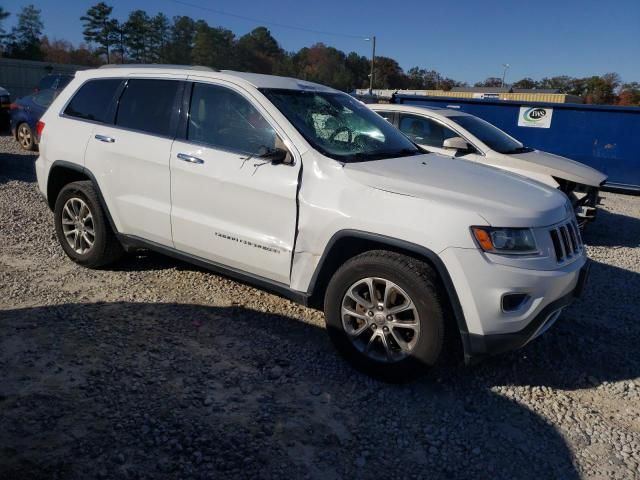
{"x":513,"y":301}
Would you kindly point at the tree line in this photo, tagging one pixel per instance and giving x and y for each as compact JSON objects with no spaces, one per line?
{"x":142,"y":38}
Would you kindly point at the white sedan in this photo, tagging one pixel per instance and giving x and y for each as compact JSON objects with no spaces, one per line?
{"x":454,"y":133}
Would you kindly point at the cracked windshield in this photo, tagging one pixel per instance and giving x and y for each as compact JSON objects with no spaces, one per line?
{"x":341,"y":127}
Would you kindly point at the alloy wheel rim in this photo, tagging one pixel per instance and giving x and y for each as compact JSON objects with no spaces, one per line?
{"x":380,"y":319}
{"x":24,"y":136}
{"x":77,"y":225}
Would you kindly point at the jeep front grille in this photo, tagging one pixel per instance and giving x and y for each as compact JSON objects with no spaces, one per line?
{"x":566,"y":240}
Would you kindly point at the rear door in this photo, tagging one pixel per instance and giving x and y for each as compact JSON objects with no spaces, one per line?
{"x":130,"y":157}
{"x":67,"y":137}
{"x":228,"y":206}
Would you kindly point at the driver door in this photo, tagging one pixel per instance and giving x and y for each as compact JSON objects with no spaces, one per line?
{"x":229,"y":206}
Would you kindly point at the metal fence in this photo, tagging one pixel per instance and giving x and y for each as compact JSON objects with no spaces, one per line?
{"x":20,"y":77}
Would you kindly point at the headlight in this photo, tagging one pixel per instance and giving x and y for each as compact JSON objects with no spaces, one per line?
{"x":507,"y":241}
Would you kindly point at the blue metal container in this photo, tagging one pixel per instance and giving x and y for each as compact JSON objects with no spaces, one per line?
{"x":604,"y":137}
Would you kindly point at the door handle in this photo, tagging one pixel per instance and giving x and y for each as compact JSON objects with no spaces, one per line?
{"x":105,"y":138}
{"x":190,"y":158}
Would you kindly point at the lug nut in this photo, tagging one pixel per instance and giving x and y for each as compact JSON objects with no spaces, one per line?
{"x":374,"y":326}
{"x":385,"y":329}
{"x":389,"y":317}
{"x":370,"y":313}
{"x":379,"y":307}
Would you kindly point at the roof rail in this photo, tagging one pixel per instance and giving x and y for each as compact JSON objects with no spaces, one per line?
{"x":159,"y":65}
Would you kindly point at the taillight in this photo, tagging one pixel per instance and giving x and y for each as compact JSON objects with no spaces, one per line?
{"x":39,"y":128}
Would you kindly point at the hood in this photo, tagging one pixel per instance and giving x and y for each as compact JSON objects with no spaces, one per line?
{"x":554,"y":165}
{"x":503,"y":199}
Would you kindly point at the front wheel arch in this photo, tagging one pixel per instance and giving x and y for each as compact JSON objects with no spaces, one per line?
{"x":346,"y":244}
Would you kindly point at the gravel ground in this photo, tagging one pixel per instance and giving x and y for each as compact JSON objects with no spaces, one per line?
{"x":157,"y":369}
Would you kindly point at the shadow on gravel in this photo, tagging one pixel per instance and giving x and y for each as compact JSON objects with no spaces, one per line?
{"x":613,"y":230}
{"x":137,"y":390}
{"x":147,"y":260}
{"x":15,"y":166}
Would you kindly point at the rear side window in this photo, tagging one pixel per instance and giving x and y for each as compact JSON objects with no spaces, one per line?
{"x":149,"y":106}
{"x":92,"y":101}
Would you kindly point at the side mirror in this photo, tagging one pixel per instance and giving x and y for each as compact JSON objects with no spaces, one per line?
{"x":276,"y":156}
{"x":456,"y":143}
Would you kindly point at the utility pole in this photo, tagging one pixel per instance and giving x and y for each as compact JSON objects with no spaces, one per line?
{"x":504,"y":72}
{"x":373,"y":59}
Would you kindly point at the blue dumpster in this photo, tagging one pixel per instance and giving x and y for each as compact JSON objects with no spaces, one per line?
{"x":604,"y":137}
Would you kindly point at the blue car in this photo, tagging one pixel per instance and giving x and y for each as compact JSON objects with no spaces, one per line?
{"x":25,"y":114}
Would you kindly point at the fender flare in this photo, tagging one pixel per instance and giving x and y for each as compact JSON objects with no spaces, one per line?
{"x":86,"y":172}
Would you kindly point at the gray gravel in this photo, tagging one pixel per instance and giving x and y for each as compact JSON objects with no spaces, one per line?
{"x":157,"y":369}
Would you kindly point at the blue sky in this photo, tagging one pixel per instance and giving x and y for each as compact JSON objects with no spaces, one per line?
{"x":466,"y":40}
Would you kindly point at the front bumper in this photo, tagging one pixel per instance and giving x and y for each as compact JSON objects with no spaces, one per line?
{"x":482,"y":282}
{"x":479,"y":346}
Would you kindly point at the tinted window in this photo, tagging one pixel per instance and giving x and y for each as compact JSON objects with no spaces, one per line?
{"x":425,"y":131}
{"x":44,"y":98}
{"x":223,"y":118}
{"x":93,"y":99}
{"x":148,"y":105}
{"x":46,"y":82}
{"x":57,"y":82}
{"x":341,"y":127}
{"x":63,"y":81}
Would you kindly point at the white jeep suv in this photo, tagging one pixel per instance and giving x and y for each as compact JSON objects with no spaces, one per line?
{"x":302,"y":190}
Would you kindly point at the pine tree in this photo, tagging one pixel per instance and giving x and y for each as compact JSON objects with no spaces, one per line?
{"x":3,"y":14}
{"x":99,"y":28}
{"x":159,"y":37}
{"x":137,"y":35}
{"x":25,"y":36}
{"x":179,"y":49}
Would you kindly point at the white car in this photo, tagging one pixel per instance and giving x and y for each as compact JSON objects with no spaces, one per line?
{"x":456,"y":133}
{"x":302,"y":190}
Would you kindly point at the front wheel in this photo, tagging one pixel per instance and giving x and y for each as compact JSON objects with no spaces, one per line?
{"x":384,"y":314}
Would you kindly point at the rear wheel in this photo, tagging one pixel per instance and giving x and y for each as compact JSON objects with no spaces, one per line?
{"x":25,"y":137}
{"x":384,"y":314}
{"x":82,"y":227}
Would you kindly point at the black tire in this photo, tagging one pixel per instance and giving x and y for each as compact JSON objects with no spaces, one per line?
{"x":420,"y":283}
{"x":106,"y":248}
{"x":25,"y":137}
